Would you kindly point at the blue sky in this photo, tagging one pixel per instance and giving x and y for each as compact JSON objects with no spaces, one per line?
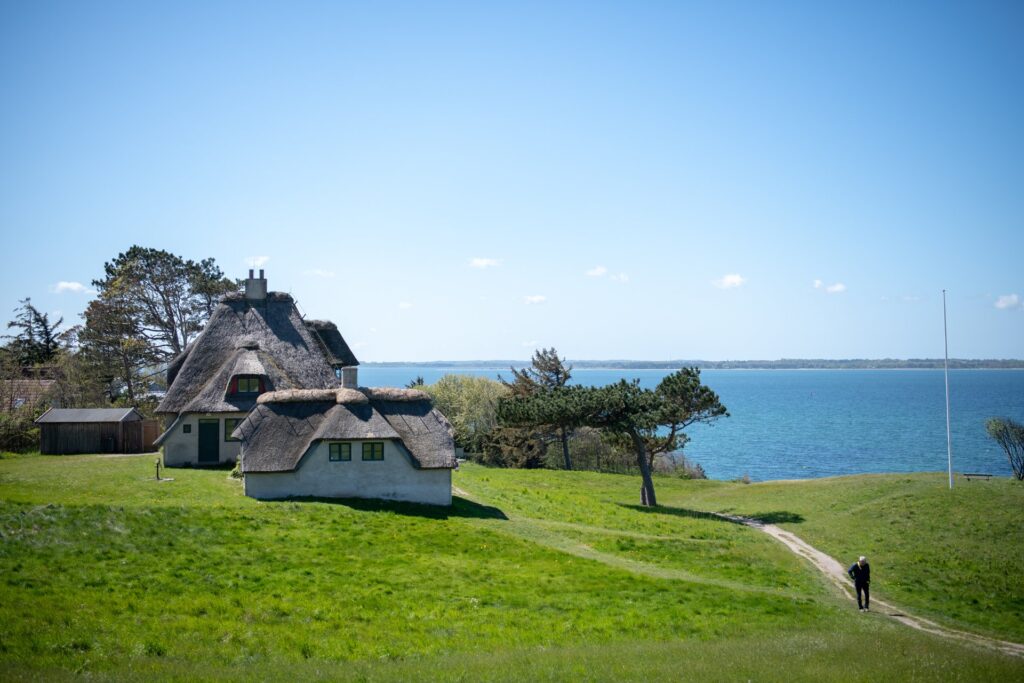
{"x":471,"y":180}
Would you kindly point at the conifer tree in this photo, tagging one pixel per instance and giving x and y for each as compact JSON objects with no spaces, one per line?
{"x":545,"y":373}
{"x":624,"y":410}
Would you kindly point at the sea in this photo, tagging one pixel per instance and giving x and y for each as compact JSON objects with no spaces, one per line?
{"x":800,"y":424}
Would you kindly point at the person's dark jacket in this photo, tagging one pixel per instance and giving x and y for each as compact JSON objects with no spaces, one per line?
{"x":861,"y":575}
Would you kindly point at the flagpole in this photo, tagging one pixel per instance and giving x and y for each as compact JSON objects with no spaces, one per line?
{"x":945,"y":366}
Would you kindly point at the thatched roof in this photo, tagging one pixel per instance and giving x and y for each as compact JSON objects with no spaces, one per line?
{"x":337,"y":351}
{"x":267,"y":338}
{"x":340,"y":395}
{"x":284,"y":425}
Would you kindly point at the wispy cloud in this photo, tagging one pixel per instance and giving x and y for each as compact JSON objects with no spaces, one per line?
{"x":535,"y":299}
{"x":1009,"y":302}
{"x":319,"y":272}
{"x":70,"y":286}
{"x":359,"y":345}
{"x":730,"y":281}
{"x":479,"y":262}
{"x":601,"y":271}
{"x":257,"y":261}
{"x":834,"y":288}
{"x":405,"y":305}
{"x":530,"y":344}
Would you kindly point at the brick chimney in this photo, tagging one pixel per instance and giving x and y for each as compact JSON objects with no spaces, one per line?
{"x":256,"y":288}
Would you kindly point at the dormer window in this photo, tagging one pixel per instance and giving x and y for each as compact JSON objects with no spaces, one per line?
{"x":247,"y":384}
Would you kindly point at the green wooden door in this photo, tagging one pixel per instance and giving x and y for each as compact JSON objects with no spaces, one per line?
{"x":209,"y":442}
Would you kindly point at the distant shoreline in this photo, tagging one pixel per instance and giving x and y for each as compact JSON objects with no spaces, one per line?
{"x":782,"y":364}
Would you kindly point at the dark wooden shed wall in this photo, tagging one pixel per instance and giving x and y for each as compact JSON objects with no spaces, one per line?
{"x":94,"y":437}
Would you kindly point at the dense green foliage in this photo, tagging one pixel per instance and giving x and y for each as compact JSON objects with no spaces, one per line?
{"x":18,"y":431}
{"x":530,"y":576}
{"x":469,"y":403}
{"x":148,"y":306}
{"x":163,"y":298}
{"x":1009,"y":434}
{"x":546,"y":372}
{"x":651,"y":421}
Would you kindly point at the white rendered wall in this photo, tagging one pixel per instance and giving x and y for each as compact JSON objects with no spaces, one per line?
{"x":393,"y":478}
{"x":182,"y":449}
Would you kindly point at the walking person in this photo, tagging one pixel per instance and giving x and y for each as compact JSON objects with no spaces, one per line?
{"x":860,"y":572}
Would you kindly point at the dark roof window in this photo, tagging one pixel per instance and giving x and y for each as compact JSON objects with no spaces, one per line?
{"x":247,"y":384}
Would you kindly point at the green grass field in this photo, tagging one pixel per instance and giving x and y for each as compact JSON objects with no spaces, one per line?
{"x":106,"y":573}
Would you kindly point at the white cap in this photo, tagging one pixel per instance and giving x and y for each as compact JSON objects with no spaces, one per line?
{"x":862,"y":559}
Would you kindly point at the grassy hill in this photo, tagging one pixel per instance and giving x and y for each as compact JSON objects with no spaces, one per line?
{"x":531,"y":575}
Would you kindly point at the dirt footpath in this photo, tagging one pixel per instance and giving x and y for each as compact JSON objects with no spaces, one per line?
{"x":836,"y":573}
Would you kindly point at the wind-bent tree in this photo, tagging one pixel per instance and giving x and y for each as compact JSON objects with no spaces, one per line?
{"x":37,"y":341}
{"x":167,"y":297}
{"x":624,"y":410}
{"x":546,"y":372}
{"x":684,"y":402}
{"x":1010,"y":435}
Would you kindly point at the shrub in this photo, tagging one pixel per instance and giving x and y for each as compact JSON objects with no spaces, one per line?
{"x":678,"y":465}
{"x":470,"y":404}
{"x":18,"y":432}
{"x":1010,"y":435}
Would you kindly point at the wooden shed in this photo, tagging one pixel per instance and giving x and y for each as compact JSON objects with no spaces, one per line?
{"x":63,"y":431}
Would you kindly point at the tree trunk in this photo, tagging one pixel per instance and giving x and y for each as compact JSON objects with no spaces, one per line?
{"x":565,"y":449}
{"x":647,"y":497}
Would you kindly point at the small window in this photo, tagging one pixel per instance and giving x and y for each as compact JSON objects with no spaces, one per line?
{"x":246,"y":384}
{"x":373,"y":451}
{"x":186,"y":429}
{"x":340,"y":452}
{"x":229,"y":426}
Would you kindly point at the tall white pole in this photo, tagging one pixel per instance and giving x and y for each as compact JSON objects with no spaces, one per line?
{"x":945,"y":366}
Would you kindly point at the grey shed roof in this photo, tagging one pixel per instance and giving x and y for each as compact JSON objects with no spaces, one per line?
{"x":266,"y":337}
{"x":277,"y":433}
{"x":67,"y":415}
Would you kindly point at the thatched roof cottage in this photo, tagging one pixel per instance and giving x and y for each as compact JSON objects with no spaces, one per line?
{"x":262,"y":384}
{"x":366,"y":443}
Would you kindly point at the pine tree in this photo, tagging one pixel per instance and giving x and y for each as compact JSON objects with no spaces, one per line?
{"x":545,"y":373}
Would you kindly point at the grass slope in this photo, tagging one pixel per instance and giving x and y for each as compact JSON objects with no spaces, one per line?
{"x":955,"y":556}
{"x":107,"y":573}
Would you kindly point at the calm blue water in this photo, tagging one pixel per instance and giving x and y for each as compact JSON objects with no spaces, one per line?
{"x":788,"y":424}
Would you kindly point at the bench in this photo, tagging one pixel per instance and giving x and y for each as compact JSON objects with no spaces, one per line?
{"x":975,"y":475}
